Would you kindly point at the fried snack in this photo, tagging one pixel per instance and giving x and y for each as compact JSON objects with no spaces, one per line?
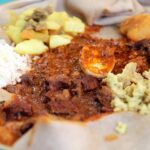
{"x":97,"y":62}
{"x":137,"y":27}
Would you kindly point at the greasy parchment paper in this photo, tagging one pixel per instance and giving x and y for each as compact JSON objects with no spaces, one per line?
{"x":53,"y":134}
{"x":65,"y":135}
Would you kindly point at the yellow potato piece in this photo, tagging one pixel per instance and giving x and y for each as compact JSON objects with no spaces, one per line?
{"x":67,"y":36}
{"x":52,"y":25}
{"x":31,"y":34}
{"x":59,"y":40}
{"x":13,"y":18}
{"x":14,"y":33}
{"x":26,"y":13}
{"x":32,"y":47}
{"x":137,"y":27}
{"x":58,"y":17}
{"x":74,"y":26}
{"x":20,"y":23}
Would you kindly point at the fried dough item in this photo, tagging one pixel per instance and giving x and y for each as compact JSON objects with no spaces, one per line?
{"x":96,"y":61}
{"x":137,"y":27}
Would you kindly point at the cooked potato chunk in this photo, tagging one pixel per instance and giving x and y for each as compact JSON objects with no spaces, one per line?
{"x":30,"y":34}
{"x":137,"y":27}
{"x":58,"y":17}
{"x":26,"y":13}
{"x":32,"y":47}
{"x":14,"y":33}
{"x":74,"y":26}
{"x":20,"y":23}
{"x":59,"y":40}
{"x":52,"y":25}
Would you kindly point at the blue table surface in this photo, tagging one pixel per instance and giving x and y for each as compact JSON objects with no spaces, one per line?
{"x":4,"y":1}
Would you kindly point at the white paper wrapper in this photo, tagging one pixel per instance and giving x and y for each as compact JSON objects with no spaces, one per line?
{"x":53,"y":134}
{"x":109,"y":11}
{"x":66,"y":135}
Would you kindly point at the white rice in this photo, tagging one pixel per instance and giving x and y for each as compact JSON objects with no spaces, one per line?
{"x":12,"y":65}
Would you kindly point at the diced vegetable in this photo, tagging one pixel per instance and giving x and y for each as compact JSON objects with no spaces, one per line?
{"x":67,"y":36}
{"x":14,"y":33}
{"x":59,"y":40}
{"x":32,"y":47}
{"x":20,"y":23}
{"x":26,"y":13}
{"x":58,"y":17}
{"x":30,"y":34}
{"x":13,"y":18}
{"x":37,"y":33}
{"x":121,"y":128}
{"x":52,"y":25}
{"x":74,"y":26}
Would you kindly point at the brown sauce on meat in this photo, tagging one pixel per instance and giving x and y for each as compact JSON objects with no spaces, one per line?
{"x":57,"y":85}
{"x":126,"y":52}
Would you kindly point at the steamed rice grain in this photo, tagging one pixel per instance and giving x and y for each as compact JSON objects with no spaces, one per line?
{"x":12,"y":65}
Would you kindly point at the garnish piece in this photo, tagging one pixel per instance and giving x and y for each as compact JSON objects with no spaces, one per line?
{"x":121,"y":128}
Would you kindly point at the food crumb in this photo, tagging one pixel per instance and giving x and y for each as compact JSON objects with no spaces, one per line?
{"x":121,"y":128}
{"x":111,"y":137}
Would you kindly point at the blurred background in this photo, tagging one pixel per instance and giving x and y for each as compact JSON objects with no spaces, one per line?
{"x":5,"y":1}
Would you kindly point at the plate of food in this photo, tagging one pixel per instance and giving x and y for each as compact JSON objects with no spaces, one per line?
{"x":75,"y":76}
